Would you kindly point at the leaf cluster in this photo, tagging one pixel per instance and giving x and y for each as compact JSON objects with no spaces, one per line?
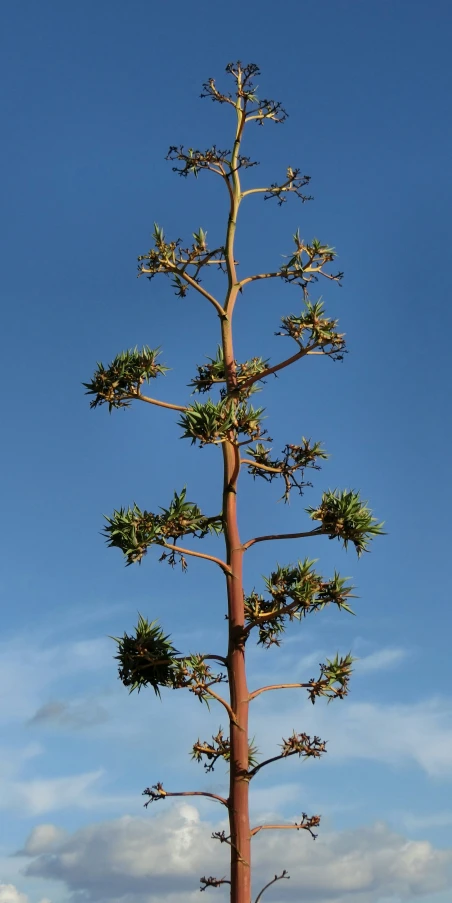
{"x":333,"y":680}
{"x":213,"y":422}
{"x":303,"y":746}
{"x":133,"y":530}
{"x":121,"y":381}
{"x":345,"y":517}
{"x":290,"y":467}
{"x":306,"y":263}
{"x":148,"y":658}
{"x":219,"y":748}
{"x":214,"y":372}
{"x":311,"y":329}
{"x":295,"y":592}
{"x":170,"y":259}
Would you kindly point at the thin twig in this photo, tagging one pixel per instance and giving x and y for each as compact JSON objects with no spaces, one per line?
{"x":276,"y":878}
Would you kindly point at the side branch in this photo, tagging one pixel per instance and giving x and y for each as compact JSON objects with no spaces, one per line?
{"x":277,"y":687}
{"x":276,"y":878}
{"x":222,"y":564}
{"x":307,"y":824}
{"x":157,"y":792}
{"x":317,"y":532}
{"x":286,"y":363}
{"x":160,"y":404}
{"x":202,"y":291}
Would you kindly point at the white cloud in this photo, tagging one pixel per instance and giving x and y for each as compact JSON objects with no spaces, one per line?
{"x":42,"y":839}
{"x":10,"y":894}
{"x":50,"y":794}
{"x":393,"y":734}
{"x":382,"y":660}
{"x":141,"y":860}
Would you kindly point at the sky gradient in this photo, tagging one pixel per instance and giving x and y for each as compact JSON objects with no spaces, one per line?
{"x":93,"y":96}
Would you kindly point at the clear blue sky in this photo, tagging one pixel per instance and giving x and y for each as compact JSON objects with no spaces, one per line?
{"x":92,"y":96}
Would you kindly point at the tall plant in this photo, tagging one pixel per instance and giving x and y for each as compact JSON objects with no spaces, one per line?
{"x":225,"y":416}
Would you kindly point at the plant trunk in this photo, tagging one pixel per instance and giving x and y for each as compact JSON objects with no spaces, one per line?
{"x":239,"y":823}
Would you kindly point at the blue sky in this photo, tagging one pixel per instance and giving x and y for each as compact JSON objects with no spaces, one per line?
{"x":93,"y":96}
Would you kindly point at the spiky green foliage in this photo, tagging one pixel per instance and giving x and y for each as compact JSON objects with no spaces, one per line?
{"x":214,"y":422}
{"x":311,"y":330}
{"x":295,"y":592}
{"x":120,"y":382}
{"x":345,"y":517}
{"x":220,"y":748}
{"x":133,"y":530}
{"x":214,"y":372}
{"x":147,"y":658}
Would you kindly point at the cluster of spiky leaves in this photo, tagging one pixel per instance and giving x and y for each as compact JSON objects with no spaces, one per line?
{"x":214,"y":422}
{"x":345,"y":517}
{"x":306,"y":263}
{"x":120,"y":382}
{"x":333,"y":680}
{"x":214,"y":373}
{"x":148,"y":658}
{"x":294,"y":592}
{"x":170,"y":259}
{"x":219,"y":748}
{"x":133,"y":530}
{"x":290,"y":467}
{"x":312,"y":330}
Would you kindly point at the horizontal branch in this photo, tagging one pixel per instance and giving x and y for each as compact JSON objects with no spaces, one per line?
{"x":303,"y":352}
{"x":260,"y":466}
{"x":257,"y":768}
{"x":280,"y":828}
{"x":156,"y":401}
{"x":251,"y":542}
{"x":277,"y":687}
{"x":213,"y":796}
{"x":222,"y":564}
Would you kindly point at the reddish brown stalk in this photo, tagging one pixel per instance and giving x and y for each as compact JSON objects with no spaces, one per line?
{"x":239,"y":821}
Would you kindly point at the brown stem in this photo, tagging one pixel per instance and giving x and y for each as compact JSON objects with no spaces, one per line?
{"x":260,"y":466}
{"x":212,"y":796}
{"x":276,"y":878}
{"x":286,"y":363}
{"x":239,"y":822}
{"x":317,"y":532}
{"x":222,"y":564}
{"x":223,"y":703}
{"x":276,"y":687}
{"x":160,"y":404}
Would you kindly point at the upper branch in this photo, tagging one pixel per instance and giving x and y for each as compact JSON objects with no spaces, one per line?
{"x":157,"y":792}
{"x":307,"y":824}
{"x":271,"y":537}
